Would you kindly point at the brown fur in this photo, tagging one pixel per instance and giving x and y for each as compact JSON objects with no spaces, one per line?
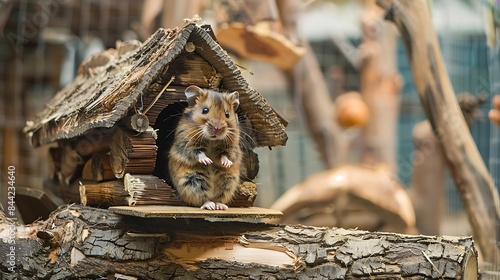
{"x":195,"y":181}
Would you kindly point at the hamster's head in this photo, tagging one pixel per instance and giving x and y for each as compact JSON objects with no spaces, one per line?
{"x":213,"y":113}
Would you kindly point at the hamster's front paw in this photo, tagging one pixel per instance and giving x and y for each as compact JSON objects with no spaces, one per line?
{"x":202,"y":158}
{"x":225,"y":161}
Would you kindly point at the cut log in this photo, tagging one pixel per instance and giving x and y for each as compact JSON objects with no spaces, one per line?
{"x":105,"y":194}
{"x":133,"y":152}
{"x":476,"y":187}
{"x":82,"y":242}
{"x":149,"y":189}
{"x":136,"y":122}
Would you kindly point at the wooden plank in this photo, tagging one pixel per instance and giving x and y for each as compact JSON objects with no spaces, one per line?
{"x":179,"y":212}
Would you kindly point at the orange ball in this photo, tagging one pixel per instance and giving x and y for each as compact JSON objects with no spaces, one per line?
{"x":496,"y":102}
{"x":351,"y":110}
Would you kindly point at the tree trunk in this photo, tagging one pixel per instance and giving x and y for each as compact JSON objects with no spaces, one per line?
{"x":311,"y":97}
{"x":472,"y":179}
{"x":427,"y":190}
{"x":310,"y":93}
{"x":89,"y":243}
{"x":380,"y":85}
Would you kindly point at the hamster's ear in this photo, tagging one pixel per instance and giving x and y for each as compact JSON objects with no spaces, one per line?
{"x":192,"y":94}
{"x":234,"y":97}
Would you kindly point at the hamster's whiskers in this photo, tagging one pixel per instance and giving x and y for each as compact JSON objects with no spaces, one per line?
{"x":195,"y":136}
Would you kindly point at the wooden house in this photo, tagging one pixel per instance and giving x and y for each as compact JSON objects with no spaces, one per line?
{"x":112,"y":126}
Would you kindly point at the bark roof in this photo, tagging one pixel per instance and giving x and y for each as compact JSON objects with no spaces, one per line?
{"x":115,"y":82}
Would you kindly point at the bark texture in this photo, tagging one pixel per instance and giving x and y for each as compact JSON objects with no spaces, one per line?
{"x":83,"y":242}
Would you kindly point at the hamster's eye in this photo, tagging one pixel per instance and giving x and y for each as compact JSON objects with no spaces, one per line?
{"x":204,"y":110}
{"x":227,"y":114}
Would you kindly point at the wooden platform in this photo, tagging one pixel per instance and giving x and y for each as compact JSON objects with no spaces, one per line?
{"x":178,"y":212}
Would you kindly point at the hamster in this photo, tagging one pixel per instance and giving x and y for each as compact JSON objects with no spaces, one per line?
{"x":205,"y":157}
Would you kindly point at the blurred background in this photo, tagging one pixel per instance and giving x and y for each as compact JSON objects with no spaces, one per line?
{"x":43,"y":42}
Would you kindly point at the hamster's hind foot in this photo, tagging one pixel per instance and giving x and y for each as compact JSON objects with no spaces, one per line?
{"x":221,"y":206}
{"x":210,"y":205}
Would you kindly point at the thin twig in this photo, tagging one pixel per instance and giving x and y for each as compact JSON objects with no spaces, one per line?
{"x":244,"y":68}
{"x":159,"y":95}
{"x":432,"y":263}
